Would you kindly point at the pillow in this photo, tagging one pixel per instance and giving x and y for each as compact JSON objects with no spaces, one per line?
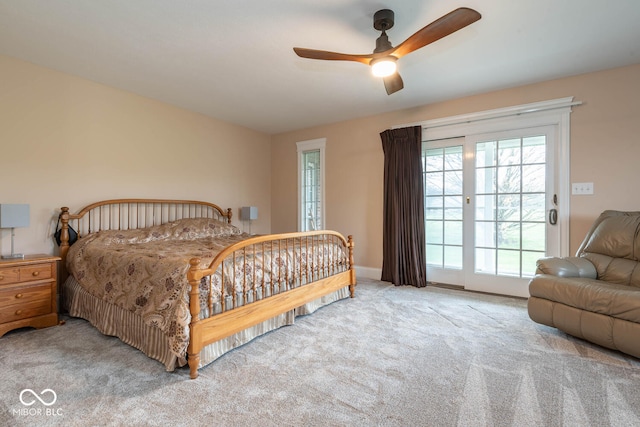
{"x":194,"y":228}
{"x":182,"y":229}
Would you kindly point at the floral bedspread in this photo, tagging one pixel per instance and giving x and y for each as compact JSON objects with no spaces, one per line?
{"x":144,"y":270}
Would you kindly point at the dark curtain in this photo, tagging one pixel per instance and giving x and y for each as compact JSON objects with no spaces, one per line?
{"x":403,"y":246}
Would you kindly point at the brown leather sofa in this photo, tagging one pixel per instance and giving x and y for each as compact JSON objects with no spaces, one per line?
{"x":596,"y":294}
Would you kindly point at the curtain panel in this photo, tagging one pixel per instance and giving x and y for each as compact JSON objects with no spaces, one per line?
{"x":403,"y":246}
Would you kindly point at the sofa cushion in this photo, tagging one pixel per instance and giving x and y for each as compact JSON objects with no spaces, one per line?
{"x":612,"y":247}
{"x":614,"y":236}
{"x":615,"y":270}
{"x":619,"y":301}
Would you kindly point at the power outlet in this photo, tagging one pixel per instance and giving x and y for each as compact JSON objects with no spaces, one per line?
{"x":582,"y":188}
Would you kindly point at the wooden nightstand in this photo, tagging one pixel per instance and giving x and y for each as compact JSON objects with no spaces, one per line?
{"x":28,"y":292}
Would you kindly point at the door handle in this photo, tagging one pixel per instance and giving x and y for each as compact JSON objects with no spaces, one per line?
{"x":553,"y":216}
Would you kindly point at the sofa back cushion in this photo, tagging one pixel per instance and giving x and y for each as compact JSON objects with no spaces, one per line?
{"x":613,"y":246}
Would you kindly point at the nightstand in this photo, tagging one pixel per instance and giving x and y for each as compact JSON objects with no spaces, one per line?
{"x":28,"y":292}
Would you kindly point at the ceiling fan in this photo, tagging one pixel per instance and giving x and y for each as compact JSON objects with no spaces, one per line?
{"x":384,"y":57}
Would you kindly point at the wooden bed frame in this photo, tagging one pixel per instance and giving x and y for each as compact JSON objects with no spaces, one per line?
{"x":124,"y":214}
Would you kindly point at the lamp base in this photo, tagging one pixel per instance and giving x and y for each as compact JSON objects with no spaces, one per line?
{"x":13,"y":256}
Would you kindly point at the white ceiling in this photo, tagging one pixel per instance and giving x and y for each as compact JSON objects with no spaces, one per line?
{"x":233,"y":60}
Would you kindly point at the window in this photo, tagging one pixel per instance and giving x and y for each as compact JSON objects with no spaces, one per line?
{"x":311,"y":184}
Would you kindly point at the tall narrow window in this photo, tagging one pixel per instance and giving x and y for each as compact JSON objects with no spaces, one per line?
{"x":311,"y":184}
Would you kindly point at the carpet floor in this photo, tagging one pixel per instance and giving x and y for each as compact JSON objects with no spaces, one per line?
{"x":392,"y":356}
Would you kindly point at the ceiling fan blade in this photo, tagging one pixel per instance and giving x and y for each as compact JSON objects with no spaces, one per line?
{"x":393,"y":83}
{"x":442,"y":27}
{"x":332,"y":56}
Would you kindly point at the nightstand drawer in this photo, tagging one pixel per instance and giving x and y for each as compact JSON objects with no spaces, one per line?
{"x":35,"y":272}
{"x":23,"y":294}
{"x":9,"y":275}
{"x":25,"y":310}
{"x":26,"y":273}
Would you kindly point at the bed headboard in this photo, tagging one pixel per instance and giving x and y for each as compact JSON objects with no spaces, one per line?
{"x":127,"y":214}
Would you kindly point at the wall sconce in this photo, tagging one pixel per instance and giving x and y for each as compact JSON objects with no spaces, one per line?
{"x":13,"y":216}
{"x":249,"y":213}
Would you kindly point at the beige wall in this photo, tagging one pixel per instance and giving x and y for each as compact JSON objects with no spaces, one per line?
{"x":605,"y":148}
{"x":65,"y":141}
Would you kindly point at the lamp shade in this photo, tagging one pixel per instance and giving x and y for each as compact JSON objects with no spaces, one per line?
{"x":14,"y":216}
{"x":248,"y":213}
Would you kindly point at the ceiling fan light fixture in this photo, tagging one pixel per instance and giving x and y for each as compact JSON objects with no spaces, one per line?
{"x":383,"y":59}
{"x":384,"y":67}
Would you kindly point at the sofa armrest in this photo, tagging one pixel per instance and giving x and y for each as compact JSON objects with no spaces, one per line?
{"x":567,"y":267}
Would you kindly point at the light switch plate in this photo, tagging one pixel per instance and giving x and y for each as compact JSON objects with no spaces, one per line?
{"x":581,"y":188}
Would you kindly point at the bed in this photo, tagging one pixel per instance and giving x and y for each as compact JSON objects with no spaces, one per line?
{"x":175,"y":279}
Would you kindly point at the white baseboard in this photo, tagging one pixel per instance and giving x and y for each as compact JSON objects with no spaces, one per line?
{"x":368,"y":272}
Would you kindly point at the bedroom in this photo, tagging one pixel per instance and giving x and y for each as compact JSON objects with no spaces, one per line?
{"x":68,"y":141}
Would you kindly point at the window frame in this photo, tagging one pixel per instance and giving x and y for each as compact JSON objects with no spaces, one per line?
{"x":303,"y":147}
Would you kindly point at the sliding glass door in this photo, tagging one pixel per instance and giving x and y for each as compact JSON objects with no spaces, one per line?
{"x":489,"y":208}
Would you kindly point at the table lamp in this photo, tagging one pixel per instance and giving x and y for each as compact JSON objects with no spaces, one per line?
{"x":249,"y":213}
{"x":13,"y":216}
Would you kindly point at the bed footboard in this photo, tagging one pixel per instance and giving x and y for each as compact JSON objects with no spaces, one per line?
{"x":262,"y":277}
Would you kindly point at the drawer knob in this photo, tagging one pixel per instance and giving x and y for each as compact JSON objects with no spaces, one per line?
{"x":19,"y":295}
{"x":36,"y":273}
{"x":1,"y":277}
{"x":18,"y":312}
